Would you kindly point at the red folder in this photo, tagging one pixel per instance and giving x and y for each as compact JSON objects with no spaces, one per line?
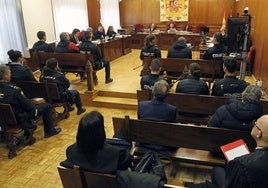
{"x":234,"y":149}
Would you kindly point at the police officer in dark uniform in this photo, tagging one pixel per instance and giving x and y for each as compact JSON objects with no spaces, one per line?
{"x":52,"y":74}
{"x":24,"y":110}
{"x":230,"y":85}
{"x":150,"y":49}
{"x":18,"y":71}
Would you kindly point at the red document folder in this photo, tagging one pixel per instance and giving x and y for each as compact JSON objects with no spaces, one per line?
{"x":234,"y":149}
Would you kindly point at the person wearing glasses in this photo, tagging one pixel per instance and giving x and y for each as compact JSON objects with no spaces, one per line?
{"x":249,"y":170}
{"x":236,"y":114}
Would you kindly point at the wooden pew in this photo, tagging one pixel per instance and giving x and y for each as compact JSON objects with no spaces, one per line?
{"x":190,"y":103}
{"x":12,"y":131}
{"x":48,"y":91}
{"x":71,"y":62}
{"x":77,"y":178}
{"x":209,"y":68}
{"x":195,"y":143}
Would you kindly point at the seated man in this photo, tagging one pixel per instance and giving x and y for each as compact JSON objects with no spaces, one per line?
{"x":157,"y":109}
{"x":99,"y":63}
{"x":230,"y":85}
{"x":219,"y":49}
{"x":24,"y":110}
{"x":193,"y":84}
{"x":51,"y":73}
{"x":180,"y":50}
{"x":148,"y":81}
{"x":249,"y":170}
{"x":41,"y":45}
{"x":237,"y":114}
{"x":65,"y":46}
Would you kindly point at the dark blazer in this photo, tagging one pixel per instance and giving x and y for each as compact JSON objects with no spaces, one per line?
{"x":157,"y":110}
{"x":107,"y":160}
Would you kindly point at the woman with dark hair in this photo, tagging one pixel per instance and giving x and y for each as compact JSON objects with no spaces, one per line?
{"x":51,"y":73}
{"x":150,"y":49}
{"x":19,"y":72}
{"x":75,"y":37}
{"x":90,"y":152}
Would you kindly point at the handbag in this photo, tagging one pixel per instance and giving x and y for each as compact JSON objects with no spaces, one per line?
{"x":151,"y":163}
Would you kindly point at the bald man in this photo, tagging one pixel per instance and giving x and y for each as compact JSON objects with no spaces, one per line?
{"x":247,"y":171}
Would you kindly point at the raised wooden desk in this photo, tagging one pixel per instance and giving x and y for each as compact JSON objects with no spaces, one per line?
{"x":165,"y":40}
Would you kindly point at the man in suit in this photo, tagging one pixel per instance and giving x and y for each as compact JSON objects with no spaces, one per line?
{"x":157,"y":109}
{"x":249,"y":170}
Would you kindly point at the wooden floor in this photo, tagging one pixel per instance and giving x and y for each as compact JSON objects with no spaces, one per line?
{"x":36,"y":165}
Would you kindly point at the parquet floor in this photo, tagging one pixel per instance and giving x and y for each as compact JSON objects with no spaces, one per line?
{"x":36,"y":165}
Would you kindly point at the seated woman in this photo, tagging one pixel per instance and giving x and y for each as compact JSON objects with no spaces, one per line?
{"x":90,"y":152}
{"x":110,"y":32}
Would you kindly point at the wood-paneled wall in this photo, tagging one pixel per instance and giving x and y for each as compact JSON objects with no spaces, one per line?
{"x":93,"y":7}
{"x":206,"y":12}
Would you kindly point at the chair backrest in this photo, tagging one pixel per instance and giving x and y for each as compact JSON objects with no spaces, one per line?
{"x":94,"y":180}
{"x":7,"y":117}
{"x":139,"y":27}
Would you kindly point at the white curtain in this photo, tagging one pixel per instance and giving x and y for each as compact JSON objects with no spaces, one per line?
{"x":109,"y":10}
{"x":69,"y":14}
{"x":12,"y":32}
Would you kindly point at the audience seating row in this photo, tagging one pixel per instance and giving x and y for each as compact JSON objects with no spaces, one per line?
{"x":210,"y":69}
{"x":205,"y":105}
{"x":81,"y":63}
{"x":77,"y":178}
{"x":195,"y":143}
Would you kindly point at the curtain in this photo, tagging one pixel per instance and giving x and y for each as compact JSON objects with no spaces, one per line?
{"x":12,"y":32}
{"x":109,"y":10}
{"x":69,"y":14}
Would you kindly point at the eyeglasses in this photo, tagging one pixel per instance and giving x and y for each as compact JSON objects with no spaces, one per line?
{"x":255,"y":124}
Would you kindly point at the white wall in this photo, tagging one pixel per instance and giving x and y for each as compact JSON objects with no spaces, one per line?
{"x":38,"y":16}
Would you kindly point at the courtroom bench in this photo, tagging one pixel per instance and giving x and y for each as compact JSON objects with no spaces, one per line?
{"x":78,"y":178}
{"x":81,"y":63}
{"x":194,"y":143}
{"x":210,"y":69}
{"x":49,"y":92}
{"x":205,"y":105}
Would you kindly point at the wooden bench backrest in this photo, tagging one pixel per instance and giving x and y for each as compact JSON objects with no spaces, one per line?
{"x":202,"y":104}
{"x":70,"y":178}
{"x":179,"y":135}
{"x":178,"y":65}
{"x":7,"y":117}
{"x":74,"y":59}
{"x":34,"y":89}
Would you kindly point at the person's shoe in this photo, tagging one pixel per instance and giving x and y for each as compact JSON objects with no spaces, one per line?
{"x":108,"y":80}
{"x":52,"y":132}
{"x":70,"y":108}
{"x":80,"y":111}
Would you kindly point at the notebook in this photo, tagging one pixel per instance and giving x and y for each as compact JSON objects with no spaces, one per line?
{"x":234,"y":149}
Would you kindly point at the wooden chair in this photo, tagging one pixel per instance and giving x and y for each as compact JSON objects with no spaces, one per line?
{"x":71,"y":177}
{"x":12,"y":131}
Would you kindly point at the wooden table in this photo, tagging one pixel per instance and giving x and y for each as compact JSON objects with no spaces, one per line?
{"x":165,"y":40}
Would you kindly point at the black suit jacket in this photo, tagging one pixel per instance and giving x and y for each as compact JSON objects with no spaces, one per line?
{"x":107,"y":160}
{"x":157,"y":110}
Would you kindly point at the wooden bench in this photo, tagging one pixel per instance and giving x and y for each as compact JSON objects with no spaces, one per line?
{"x":209,"y":68}
{"x":77,"y":178}
{"x":197,"y":104}
{"x":81,"y":63}
{"x":12,"y":131}
{"x":48,"y":91}
{"x":194,"y":143}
